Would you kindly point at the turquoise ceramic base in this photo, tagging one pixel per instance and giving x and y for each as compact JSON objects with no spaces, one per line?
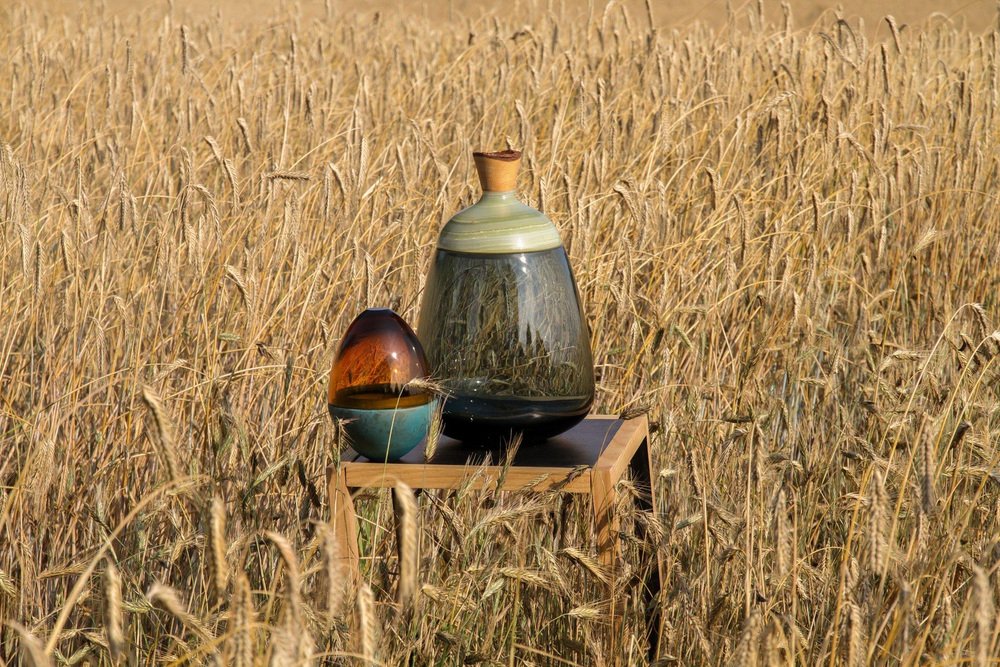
{"x":388,"y":434}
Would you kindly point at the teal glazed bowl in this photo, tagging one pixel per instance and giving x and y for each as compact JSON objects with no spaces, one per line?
{"x":386,"y":434}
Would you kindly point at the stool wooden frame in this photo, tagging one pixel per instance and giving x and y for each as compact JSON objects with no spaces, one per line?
{"x":588,"y":459}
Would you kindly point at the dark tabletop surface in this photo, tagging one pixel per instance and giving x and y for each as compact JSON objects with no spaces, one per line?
{"x":581,"y":445}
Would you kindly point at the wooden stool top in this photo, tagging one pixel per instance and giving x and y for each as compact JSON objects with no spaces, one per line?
{"x":566,"y":462}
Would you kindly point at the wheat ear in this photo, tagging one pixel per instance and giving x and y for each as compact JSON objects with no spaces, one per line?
{"x":164,"y":432}
{"x":217,"y":536}
{"x":113,"y":613}
{"x":31,"y":649}
{"x":404,"y":506}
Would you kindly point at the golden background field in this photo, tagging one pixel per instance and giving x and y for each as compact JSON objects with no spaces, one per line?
{"x":975,"y":15}
{"x":785,"y":238}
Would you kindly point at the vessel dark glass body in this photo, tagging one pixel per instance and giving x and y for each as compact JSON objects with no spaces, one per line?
{"x":502,"y":325}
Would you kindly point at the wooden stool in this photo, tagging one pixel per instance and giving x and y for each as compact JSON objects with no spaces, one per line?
{"x":589,"y":459}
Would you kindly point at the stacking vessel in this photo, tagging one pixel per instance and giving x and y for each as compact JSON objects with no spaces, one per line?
{"x":501,"y":319}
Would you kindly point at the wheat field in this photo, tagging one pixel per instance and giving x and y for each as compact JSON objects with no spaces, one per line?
{"x":784,"y":238}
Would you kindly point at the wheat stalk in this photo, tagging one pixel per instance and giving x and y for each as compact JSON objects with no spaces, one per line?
{"x":878,"y":540}
{"x":169,"y":600}
{"x":404,"y":506}
{"x":855,"y":642}
{"x":335,"y":575}
{"x":243,"y":616}
{"x":185,"y":50}
{"x":217,"y":539}
{"x":113,"y":613}
{"x":164,"y":432}
{"x":434,"y":432}
{"x":31,"y":648}
{"x":983,"y":605}
{"x":783,"y":537}
{"x":367,"y":635}
{"x":745,"y":654}
{"x":245,"y":133}
{"x":7,"y":584}
{"x":588,"y":563}
{"x":292,"y":576}
{"x":927,"y":471}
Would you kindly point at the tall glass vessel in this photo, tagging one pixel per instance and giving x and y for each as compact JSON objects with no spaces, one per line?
{"x":501,"y":320}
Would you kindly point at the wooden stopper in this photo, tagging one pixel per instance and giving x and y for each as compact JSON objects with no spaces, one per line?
{"x":498,"y":171}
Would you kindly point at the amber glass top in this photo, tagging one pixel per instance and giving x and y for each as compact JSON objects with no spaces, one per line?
{"x":379,"y":355}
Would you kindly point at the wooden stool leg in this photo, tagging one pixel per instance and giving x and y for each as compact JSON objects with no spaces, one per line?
{"x":605,"y":520}
{"x":343,"y":521}
{"x":604,"y":496}
{"x":641,"y":472}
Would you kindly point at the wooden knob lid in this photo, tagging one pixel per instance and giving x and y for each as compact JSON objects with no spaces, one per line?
{"x":498,"y":171}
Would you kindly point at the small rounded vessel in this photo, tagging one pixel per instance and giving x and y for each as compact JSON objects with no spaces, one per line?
{"x":501,"y":319}
{"x":384,"y":417}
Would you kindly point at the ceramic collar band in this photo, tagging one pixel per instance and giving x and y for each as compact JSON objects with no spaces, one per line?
{"x":498,"y":223}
